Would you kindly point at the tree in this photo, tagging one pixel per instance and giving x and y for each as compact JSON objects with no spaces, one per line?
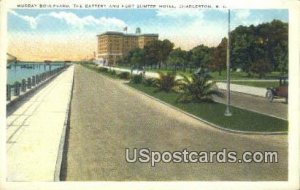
{"x":267,"y":41}
{"x":137,"y":57}
{"x":188,"y":60}
{"x":166,"y":81}
{"x":242,"y":44}
{"x":218,"y":58}
{"x":151,"y":50}
{"x":134,"y":58}
{"x":126,"y":60}
{"x":157,"y":51}
{"x":165,"y":49}
{"x":199,"y":88}
{"x":278,"y":43}
{"x":260,"y":67}
{"x":281,"y":59}
{"x":177,"y":58}
{"x":200,"y":56}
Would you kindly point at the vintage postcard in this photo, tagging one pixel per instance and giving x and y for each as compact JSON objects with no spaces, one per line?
{"x":174,"y":94}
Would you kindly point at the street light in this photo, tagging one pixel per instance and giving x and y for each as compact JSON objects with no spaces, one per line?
{"x":227,"y":111}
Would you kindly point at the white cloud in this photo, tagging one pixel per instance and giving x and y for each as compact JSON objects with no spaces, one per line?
{"x":32,"y":21}
{"x":69,"y":18}
{"x":73,"y":20}
{"x":80,"y":22}
{"x":242,"y":14}
{"x":242,"y":17}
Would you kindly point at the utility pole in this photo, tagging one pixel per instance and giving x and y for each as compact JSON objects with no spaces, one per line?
{"x":227,"y":111}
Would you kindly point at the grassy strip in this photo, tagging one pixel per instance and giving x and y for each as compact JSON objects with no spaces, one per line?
{"x":96,"y":69}
{"x":241,"y":119}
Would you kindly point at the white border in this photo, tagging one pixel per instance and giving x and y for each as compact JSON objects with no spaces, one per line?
{"x":3,"y":47}
{"x":294,"y":104}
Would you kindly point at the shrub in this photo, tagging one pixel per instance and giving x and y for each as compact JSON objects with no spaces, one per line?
{"x":112,"y":72}
{"x":166,"y":82}
{"x":124,"y":75}
{"x":149,"y":81}
{"x":137,"y":79}
{"x":198,"y":88}
{"x":103,"y":69}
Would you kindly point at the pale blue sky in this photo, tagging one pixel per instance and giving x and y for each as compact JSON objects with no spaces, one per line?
{"x":147,"y":18}
{"x":186,"y":28}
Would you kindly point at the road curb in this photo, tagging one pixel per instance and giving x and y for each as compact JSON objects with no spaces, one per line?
{"x":209,"y":123}
{"x":63,"y":136}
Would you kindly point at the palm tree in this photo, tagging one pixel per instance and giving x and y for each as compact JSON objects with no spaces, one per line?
{"x":198,"y":88}
{"x":166,"y":81}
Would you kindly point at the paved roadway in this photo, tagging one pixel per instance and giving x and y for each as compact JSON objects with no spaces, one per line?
{"x":278,"y":108}
{"x":108,"y":116}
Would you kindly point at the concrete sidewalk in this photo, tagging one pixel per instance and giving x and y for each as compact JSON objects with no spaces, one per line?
{"x":34,"y":131}
{"x":251,"y":90}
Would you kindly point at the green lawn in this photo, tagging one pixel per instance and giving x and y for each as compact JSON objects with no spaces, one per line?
{"x":96,"y":69}
{"x":214,"y":112}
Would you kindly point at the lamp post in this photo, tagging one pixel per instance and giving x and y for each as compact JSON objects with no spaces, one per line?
{"x":227,"y":111}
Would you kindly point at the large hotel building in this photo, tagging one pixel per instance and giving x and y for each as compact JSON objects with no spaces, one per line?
{"x":114,"y":45}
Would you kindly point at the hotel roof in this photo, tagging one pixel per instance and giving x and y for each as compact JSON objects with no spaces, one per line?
{"x":125,"y":34}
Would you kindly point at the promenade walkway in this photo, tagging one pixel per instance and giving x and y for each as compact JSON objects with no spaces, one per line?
{"x":108,"y":116}
{"x":34,"y":131}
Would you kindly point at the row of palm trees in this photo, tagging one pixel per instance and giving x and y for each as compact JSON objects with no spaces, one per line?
{"x":197,"y":88}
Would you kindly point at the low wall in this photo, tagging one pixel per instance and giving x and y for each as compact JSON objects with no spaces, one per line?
{"x":30,"y":85}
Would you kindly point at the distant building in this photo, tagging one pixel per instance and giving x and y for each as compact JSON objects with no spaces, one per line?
{"x":114,"y":45}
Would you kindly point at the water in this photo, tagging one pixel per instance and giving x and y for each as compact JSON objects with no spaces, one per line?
{"x":16,"y":73}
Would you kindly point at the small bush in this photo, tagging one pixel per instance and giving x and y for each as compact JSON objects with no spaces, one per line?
{"x":124,"y":75}
{"x":166,"y":81}
{"x":103,"y":69}
{"x":136,"y":79}
{"x":199,"y":88}
{"x":112,"y":72}
{"x":149,"y":81}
